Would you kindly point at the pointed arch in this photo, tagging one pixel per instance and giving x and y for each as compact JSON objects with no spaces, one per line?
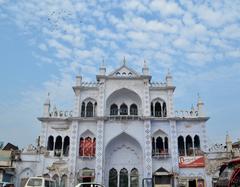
{"x":197,"y":142}
{"x":134,"y":178}
{"x":113,"y":178}
{"x":63,"y":182}
{"x":123,"y":178}
{"x":189,"y":145}
{"x":83,"y":109}
{"x":89,"y":109}
{"x":181,"y":146}
{"x":158,"y":109}
{"x":159,"y":144}
{"x":50,"y":143}
{"x":164,"y":110}
{"x":58,"y":146}
{"x":166,"y":144}
{"x":123,"y":109}
{"x":66,"y":145}
{"x":114,"y":109}
{"x":133,"y":109}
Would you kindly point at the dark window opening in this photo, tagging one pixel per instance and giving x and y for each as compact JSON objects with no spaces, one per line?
{"x":66,"y":145}
{"x":158,"y":110}
{"x":181,"y":147}
{"x":123,"y":109}
{"x":113,"y":178}
{"x":133,"y":109}
{"x":58,"y":146}
{"x":83,"y":110}
{"x":114,"y":109}
{"x":50,"y":143}
{"x":189,"y":146}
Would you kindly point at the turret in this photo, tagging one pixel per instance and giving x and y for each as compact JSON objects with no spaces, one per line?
{"x":46,"y":107}
{"x":228,"y":143}
{"x":79,"y":79}
{"x":200,"y":105}
{"x":169,"y":79}
{"x":145,"y":69}
{"x":102,"y":69}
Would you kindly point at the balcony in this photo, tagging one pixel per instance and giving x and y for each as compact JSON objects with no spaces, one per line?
{"x":191,"y":152}
{"x":161,"y":154}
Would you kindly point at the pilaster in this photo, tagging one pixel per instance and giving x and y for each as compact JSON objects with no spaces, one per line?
{"x":174,"y":146}
{"x":73,"y":153}
{"x":146,"y":103}
{"x":99,"y":152}
{"x":147,"y":150}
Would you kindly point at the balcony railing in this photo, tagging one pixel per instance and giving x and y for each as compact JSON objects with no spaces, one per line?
{"x":190,"y":152}
{"x":161,"y":154}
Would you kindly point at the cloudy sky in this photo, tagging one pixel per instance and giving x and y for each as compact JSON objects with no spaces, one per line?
{"x":44,"y":44}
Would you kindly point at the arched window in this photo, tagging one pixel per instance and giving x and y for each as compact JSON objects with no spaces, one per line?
{"x":158,"y":110}
{"x":56,"y":178}
{"x":89,"y":112}
{"x":153,"y":146}
{"x":123,"y":109}
{"x":83,"y":110}
{"x":130,"y":73}
{"x":123,"y":178}
{"x":88,"y":146}
{"x":50,"y":143}
{"x":94,"y":147}
{"x":114,"y":109}
{"x":189,"y":145}
{"x":63,"y":182}
{"x":196,"y":142}
{"x":124,"y":74}
{"x":152,"y":114}
{"x":166,"y":144}
{"x":181,"y":147}
{"x":58,"y":146}
{"x":113,"y":178}
{"x":197,"y":145}
{"x":164,"y":110}
{"x":81,"y":146}
{"x":134,"y":178}
{"x":159,"y":145}
{"x":66,"y":145}
{"x":133,"y":109}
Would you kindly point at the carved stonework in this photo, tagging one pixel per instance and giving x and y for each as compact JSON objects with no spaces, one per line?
{"x":174,"y":150}
{"x":99,"y":153}
{"x":147,"y":150}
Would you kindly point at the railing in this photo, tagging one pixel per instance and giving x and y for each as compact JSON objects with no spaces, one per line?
{"x":87,"y":114}
{"x":157,"y":84}
{"x":89,"y":84}
{"x":160,"y":154}
{"x":187,"y":114}
{"x":60,"y":113}
{"x":191,"y":152}
{"x":123,"y":117}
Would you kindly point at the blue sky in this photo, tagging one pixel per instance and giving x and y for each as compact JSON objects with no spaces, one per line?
{"x":43,"y":44}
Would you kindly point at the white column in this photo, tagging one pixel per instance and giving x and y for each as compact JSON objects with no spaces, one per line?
{"x":99,"y":152}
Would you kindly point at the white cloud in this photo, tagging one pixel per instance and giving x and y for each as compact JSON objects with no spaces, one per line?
{"x":166,"y":8}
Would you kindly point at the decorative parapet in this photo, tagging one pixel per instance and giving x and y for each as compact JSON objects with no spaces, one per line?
{"x":60,"y":113}
{"x":89,"y":84}
{"x":157,"y":84}
{"x":186,"y":113}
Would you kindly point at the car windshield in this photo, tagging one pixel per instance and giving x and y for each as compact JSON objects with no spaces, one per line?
{"x":35,"y":182}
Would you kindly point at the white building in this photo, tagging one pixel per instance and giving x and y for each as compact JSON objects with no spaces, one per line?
{"x":123,"y":130}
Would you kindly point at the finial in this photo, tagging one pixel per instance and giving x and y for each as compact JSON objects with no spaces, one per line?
{"x":124,"y":61}
{"x":103,"y":62}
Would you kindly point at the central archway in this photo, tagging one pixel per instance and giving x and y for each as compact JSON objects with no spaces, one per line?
{"x":123,"y":153}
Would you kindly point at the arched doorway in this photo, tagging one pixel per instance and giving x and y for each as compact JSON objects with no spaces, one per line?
{"x":125,"y":155}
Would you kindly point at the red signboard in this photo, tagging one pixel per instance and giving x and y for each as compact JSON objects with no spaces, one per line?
{"x":191,"y":162}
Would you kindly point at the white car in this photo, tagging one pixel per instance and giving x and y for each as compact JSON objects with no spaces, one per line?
{"x":89,"y":184}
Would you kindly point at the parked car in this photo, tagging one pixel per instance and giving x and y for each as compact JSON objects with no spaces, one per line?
{"x":89,"y":184}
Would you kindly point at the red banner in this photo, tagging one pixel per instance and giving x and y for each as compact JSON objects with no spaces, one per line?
{"x":191,"y":162}
{"x":87,"y":147}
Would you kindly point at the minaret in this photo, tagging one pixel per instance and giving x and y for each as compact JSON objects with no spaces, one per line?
{"x":169,"y":79}
{"x":79,"y":79}
{"x":46,"y":107}
{"x":228,"y":143}
{"x":102,"y":69}
{"x":145,"y":69}
{"x":200,"y":105}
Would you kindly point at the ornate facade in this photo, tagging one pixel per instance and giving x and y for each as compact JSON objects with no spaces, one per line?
{"x":122,"y":131}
